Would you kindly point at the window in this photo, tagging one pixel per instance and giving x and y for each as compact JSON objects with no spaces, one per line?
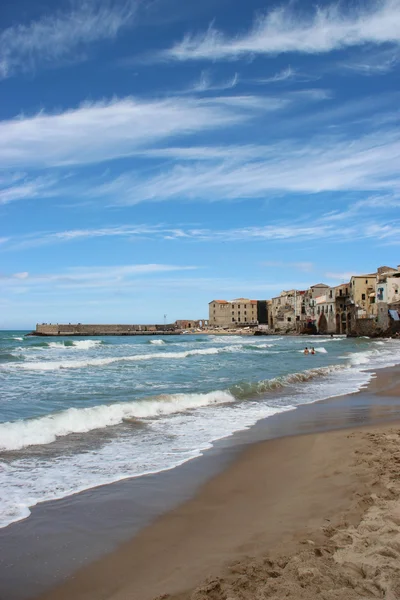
{"x":245,"y":305}
{"x":347,"y":291}
{"x":331,"y":308}
{"x":340,"y":292}
{"x":214,"y":307}
{"x":363,"y":296}
{"x":330,"y":293}
{"x":233,"y":319}
{"x":233,"y":312}
{"x":289,"y":319}
{"x":245,"y":312}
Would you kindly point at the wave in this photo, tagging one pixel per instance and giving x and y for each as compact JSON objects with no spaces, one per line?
{"x":45,"y":430}
{"x":248,"y":390}
{"x":157,"y":342}
{"x":8,"y":357}
{"x":100,"y":362}
{"x":363,"y":358}
{"x":257,"y":346}
{"x":19,"y":339}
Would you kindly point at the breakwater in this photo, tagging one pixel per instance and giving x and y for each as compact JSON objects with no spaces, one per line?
{"x":79,"y":329}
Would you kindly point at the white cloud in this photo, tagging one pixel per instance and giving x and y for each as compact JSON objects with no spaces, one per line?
{"x":106,"y":130}
{"x":206,"y":84}
{"x":62,"y":35}
{"x":292,"y":230}
{"x":280,"y":264}
{"x":286,"y":75}
{"x":324,"y":164}
{"x":285,"y":30}
{"x":24,"y":188}
{"x":345,"y":276}
{"x":372,"y":63}
{"x":91,"y":276}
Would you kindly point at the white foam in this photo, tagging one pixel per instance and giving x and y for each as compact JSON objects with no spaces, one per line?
{"x":45,"y":430}
{"x":265,"y":345}
{"x":86,"y":344}
{"x":20,"y":339}
{"x":166,"y":443}
{"x":76,"y":344}
{"x":101,"y":362}
{"x":157,"y":342}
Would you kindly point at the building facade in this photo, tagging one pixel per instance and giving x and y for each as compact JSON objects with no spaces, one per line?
{"x":232,"y":313}
{"x":286,"y":310}
{"x":342,"y":314}
{"x":362,"y":296}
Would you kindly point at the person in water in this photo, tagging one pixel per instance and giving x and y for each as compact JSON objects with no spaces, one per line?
{"x":312,"y":350}
{"x":306,"y":350}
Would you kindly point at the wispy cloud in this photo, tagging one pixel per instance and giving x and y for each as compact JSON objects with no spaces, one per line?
{"x":206,"y":84}
{"x":63,"y":35}
{"x":345,"y":276}
{"x":286,"y":30}
{"x":296,"y":230}
{"x":371,"y":63}
{"x":287,"y":75}
{"x":101,"y":131}
{"x":324,"y":164}
{"x":90,"y":276}
{"x":23,"y":188}
{"x":280,"y":264}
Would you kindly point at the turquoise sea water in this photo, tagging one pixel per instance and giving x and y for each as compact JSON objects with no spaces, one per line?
{"x":80,"y":412}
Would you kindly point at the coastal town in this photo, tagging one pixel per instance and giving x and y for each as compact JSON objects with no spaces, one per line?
{"x":368,"y":304}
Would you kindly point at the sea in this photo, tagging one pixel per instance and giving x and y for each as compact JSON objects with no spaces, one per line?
{"x":76,"y":413}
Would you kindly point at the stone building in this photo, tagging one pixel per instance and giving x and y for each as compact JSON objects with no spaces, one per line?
{"x":191,"y":323}
{"x":286,"y":311}
{"x":342,"y":314}
{"x":232,"y":313}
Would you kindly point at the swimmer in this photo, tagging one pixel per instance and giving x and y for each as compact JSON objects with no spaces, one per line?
{"x":312,"y":350}
{"x":306,"y":350}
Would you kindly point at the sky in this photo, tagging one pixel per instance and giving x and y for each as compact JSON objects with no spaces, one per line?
{"x":158,"y":154}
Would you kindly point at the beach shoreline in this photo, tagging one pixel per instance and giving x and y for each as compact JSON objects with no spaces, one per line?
{"x":290,"y":503}
{"x":122,"y":503}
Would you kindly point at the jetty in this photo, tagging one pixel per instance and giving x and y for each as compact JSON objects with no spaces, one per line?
{"x":81,"y":330}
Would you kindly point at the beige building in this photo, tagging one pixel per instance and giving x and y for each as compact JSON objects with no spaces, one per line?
{"x":363,"y":295}
{"x":231,"y":313}
{"x":325,"y":311}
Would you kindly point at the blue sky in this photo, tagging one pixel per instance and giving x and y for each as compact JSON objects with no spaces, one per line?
{"x":157,"y":154}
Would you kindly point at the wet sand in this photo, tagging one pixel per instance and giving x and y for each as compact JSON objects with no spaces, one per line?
{"x":260,"y":500}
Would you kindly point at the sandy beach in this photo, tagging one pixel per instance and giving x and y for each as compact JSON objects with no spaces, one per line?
{"x":301,"y":516}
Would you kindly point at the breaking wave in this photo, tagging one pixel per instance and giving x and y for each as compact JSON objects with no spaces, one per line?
{"x":157,"y":342}
{"x":100,"y":362}
{"x":248,"y":390}
{"x":45,"y":430}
